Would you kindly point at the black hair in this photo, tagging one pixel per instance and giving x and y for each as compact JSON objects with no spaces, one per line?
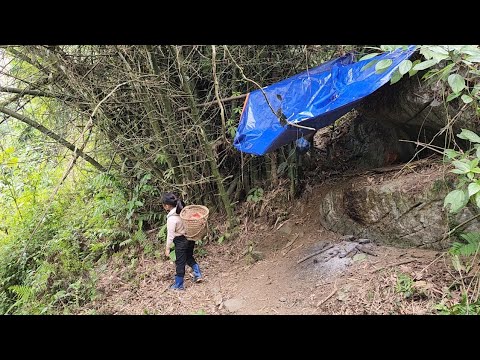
{"x":174,"y":200}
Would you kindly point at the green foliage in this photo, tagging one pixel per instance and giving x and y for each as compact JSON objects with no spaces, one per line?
{"x":255,"y":195}
{"x":456,"y":65}
{"x":462,"y":308}
{"x":200,"y":312}
{"x":457,"y":199}
{"x":282,"y":168}
{"x":404,"y":285}
{"x":467,"y":169}
{"x":200,"y":250}
{"x":383,"y":65}
{"x":139,"y":208}
{"x":162,"y":233}
{"x":470,"y":248}
{"x":232,"y":123}
{"x":405,"y":67}
{"x":46,"y":264}
{"x":464,"y":255}
{"x":224,"y":237}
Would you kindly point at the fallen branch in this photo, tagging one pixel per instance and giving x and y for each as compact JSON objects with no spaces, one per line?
{"x":283,"y":223}
{"x":329,"y":296}
{"x":426,"y":267}
{"x":354,"y":249}
{"x":392,"y":265}
{"x":315,"y":253}
{"x":290,"y":243}
{"x":298,"y":247}
{"x":362,"y":249}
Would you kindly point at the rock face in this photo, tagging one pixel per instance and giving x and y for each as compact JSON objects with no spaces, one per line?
{"x":403,"y":211}
{"x":413,"y":105}
{"x":383,"y":128}
{"x":406,"y":210}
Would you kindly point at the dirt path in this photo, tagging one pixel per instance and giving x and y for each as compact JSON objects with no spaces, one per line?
{"x":269,"y":279}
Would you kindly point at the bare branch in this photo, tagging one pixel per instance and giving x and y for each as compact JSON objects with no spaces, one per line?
{"x":52,"y":135}
{"x":25,"y":91}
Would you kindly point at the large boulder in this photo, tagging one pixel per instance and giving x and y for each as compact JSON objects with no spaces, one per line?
{"x":404,"y":210}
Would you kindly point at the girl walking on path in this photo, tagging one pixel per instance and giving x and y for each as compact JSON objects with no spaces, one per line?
{"x":183,"y":246}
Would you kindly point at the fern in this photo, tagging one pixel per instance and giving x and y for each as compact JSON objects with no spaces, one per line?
{"x":468,"y":249}
{"x":24,"y":293}
{"x":162,"y":233}
{"x":140,"y":236}
{"x":120,"y":234}
{"x":126,"y":243}
{"x":97,"y":247}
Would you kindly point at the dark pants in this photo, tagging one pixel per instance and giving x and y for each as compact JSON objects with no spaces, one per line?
{"x":184,"y":254}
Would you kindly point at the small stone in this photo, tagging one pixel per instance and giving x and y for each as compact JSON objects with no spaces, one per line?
{"x":364,"y":241}
{"x":218,"y":299}
{"x":341,"y":295}
{"x":233,"y":305}
{"x":282,"y":299}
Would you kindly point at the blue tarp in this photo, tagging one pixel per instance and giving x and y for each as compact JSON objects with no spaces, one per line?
{"x":314,"y":98}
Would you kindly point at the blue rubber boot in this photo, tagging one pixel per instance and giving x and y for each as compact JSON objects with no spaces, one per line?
{"x":178,"y":284}
{"x":197,"y":275}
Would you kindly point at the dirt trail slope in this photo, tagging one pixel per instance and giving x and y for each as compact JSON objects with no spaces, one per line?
{"x":351,"y":276}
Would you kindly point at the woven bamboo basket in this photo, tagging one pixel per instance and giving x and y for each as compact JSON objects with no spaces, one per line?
{"x":195,"y":218}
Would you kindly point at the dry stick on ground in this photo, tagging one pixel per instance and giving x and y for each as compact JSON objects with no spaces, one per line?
{"x":329,"y":296}
{"x":298,"y":247}
{"x":426,"y":267}
{"x":354,"y":249}
{"x":315,"y":253}
{"x":392,"y":265}
{"x":290,"y":243}
{"x":362,"y":249}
